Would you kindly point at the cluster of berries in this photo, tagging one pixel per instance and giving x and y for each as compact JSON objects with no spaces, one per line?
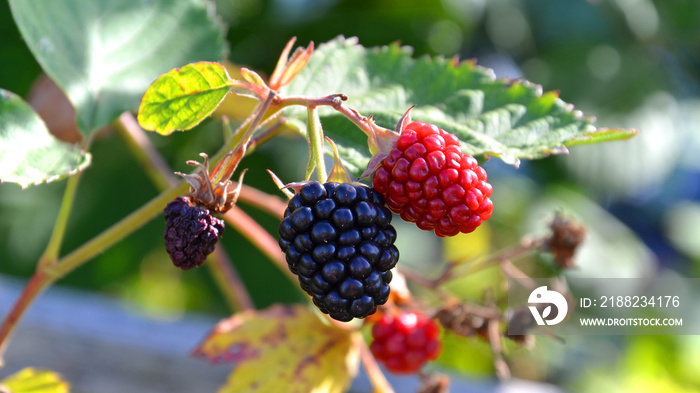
{"x":338,"y":238}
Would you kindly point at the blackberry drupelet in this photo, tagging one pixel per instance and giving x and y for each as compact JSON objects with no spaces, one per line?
{"x":190,"y":233}
{"x":339,"y":241}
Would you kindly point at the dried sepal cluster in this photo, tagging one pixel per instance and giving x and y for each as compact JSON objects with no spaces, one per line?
{"x":214,"y":191}
{"x":567,"y":235}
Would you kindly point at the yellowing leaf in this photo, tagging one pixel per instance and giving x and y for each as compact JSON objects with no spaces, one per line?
{"x":282,"y":349}
{"x":182,"y":98}
{"x":31,"y":380}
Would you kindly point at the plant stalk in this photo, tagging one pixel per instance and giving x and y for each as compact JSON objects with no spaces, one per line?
{"x":145,"y":153}
{"x":314,"y":132}
{"x":335,"y":101}
{"x":258,"y":236}
{"x":53,"y":248}
{"x":116,"y":232}
{"x":36,"y":284}
{"x":47,"y":261}
{"x":229,"y":281}
{"x":375,"y":374}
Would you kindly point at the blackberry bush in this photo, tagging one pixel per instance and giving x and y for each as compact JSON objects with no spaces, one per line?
{"x":337,"y":236}
{"x":339,"y":241}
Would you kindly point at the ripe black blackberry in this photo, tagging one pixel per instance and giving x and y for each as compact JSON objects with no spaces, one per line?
{"x":190,"y":233}
{"x":339,"y":241}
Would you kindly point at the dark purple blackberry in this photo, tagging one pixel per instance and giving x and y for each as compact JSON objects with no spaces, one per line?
{"x":190,"y":233}
{"x":339,"y":241}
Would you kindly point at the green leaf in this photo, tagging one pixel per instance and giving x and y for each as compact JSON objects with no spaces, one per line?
{"x":182,"y":98}
{"x":104,"y":54}
{"x":511,"y":120}
{"x":29,"y":154}
{"x":31,"y":380}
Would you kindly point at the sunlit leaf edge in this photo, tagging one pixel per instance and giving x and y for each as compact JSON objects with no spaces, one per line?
{"x":23,"y":181}
{"x":150,"y":109}
{"x":539,"y":111}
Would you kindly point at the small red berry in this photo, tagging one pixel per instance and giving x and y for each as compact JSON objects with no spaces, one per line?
{"x":406,"y":342}
{"x":428,"y":180}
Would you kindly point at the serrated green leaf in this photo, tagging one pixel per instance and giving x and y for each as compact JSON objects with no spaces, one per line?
{"x":31,"y":380}
{"x":182,"y":98}
{"x":29,"y":154}
{"x":104,"y":54}
{"x":511,"y":120}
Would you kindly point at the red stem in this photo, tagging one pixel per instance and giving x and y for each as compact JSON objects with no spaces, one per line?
{"x":231,"y":281}
{"x":376,"y":377}
{"x":271,"y":204}
{"x":257,"y":235}
{"x":34,"y":287}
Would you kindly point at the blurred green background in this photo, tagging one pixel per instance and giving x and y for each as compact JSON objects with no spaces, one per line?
{"x":631,"y":63}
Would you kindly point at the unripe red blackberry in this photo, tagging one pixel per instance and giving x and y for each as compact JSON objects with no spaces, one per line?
{"x":428,"y":180}
{"x":339,"y":241}
{"x":406,"y":342}
{"x":190,"y":233}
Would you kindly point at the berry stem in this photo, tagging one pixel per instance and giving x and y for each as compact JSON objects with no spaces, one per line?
{"x":266,"y":133}
{"x":47,"y":261}
{"x":526,"y":245}
{"x":375,"y":374}
{"x":316,"y":145}
{"x":238,"y":144}
{"x":34,"y":287}
{"x":335,"y":101}
{"x":145,"y":153}
{"x":258,"y":236}
{"x":230,"y":283}
{"x":455,"y":269}
{"x":53,"y":248}
{"x":116,"y":232}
